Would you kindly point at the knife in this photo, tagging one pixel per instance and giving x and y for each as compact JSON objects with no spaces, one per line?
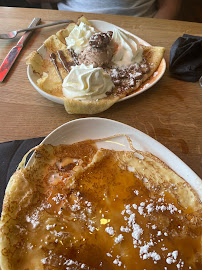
{"x":15,"y":51}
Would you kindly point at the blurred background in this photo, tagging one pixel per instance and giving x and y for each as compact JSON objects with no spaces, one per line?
{"x":190,"y":10}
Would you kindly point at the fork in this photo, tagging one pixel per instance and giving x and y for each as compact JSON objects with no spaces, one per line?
{"x":13,"y":34}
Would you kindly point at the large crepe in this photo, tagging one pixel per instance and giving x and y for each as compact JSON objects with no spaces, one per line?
{"x":78,"y":207}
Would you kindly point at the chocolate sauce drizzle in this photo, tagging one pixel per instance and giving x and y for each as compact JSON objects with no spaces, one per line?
{"x":53,"y":59}
{"x":74,"y":57}
{"x":66,"y":65}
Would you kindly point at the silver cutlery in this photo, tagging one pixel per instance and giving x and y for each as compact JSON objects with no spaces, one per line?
{"x":13,"y":34}
{"x":15,"y":51}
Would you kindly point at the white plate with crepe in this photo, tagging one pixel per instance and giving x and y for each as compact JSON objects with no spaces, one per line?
{"x":100,"y":128}
{"x":103,"y":27}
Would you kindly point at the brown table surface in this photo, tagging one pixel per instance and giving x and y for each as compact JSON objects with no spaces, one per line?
{"x":170,"y":111}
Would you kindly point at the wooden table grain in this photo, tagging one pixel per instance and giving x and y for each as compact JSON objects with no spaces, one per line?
{"x":170,"y":111}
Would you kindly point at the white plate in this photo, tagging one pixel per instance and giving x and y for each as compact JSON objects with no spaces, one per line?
{"x":103,"y":27}
{"x":99,"y":128}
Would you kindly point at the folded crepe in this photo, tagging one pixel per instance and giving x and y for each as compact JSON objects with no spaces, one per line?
{"x":186,"y":58}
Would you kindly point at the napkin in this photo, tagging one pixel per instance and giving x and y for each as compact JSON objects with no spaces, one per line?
{"x":11,"y":153}
{"x":186,"y":58}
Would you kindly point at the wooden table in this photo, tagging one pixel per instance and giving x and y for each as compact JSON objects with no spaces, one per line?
{"x":170,"y":111}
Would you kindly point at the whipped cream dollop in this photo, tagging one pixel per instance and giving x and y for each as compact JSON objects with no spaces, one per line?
{"x":86,"y":82}
{"x":78,"y":38}
{"x":127,"y":49}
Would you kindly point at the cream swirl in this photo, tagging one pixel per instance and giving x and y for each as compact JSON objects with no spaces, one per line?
{"x":127,"y":49}
{"x":86,"y":82}
{"x":78,"y":38}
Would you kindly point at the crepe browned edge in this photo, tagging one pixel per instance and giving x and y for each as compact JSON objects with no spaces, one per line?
{"x":76,"y":106}
{"x":50,"y":82}
{"x":19,"y":191}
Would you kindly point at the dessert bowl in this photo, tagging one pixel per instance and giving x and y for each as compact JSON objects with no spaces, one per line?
{"x":103,"y":27}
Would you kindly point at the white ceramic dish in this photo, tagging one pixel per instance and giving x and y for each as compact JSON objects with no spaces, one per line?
{"x":99,"y":128}
{"x":103,"y":27}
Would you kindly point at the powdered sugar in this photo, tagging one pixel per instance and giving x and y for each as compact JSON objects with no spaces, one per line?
{"x":118,"y":239}
{"x":147,"y":248}
{"x":131,"y":169}
{"x":117,"y":261}
{"x":109,"y":230}
{"x":136,"y":192}
{"x":172,"y":257}
{"x":91,"y":228}
{"x":125,"y":229}
{"x":58,"y":198}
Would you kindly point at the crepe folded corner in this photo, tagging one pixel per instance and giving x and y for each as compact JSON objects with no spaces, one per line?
{"x":63,"y":33}
{"x":153,"y":55}
{"x":76,"y":106}
{"x":36,"y":61}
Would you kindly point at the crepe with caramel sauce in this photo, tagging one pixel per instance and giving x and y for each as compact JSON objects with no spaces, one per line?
{"x":127,"y":83}
{"x":77,"y":207}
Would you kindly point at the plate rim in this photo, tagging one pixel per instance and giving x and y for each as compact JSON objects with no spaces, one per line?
{"x":61,"y":101}
{"x":191,"y":176}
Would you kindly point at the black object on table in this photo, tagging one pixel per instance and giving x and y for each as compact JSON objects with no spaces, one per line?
{"x":186,"y":58}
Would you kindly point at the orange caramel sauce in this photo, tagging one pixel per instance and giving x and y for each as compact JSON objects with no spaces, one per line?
{"x":107,"y":219}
